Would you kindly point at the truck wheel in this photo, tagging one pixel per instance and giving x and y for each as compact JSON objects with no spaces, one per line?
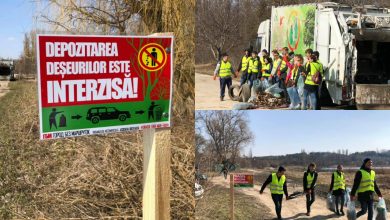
{"x":246,"y":92}
{"x":95,"y":120}
{"x":234,"y":93}
{"x":122,"y":117}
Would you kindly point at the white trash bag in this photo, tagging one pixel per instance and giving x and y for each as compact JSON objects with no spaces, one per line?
{"x":351,"y":212}
{"x":274,"y":89}
{"x":380,"y":210}
{"x":347,"y":198}
{"x":330,"y":202}
{"x":300,"y":85}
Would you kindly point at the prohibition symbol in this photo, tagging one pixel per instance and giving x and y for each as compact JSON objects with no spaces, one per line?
{"x":152,"y":57}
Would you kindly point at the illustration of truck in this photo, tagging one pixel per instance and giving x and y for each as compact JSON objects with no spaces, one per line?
{"x":353,"y":43}
{"x":106,"y":113}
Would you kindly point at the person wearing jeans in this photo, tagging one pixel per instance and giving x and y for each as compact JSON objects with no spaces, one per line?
{"x":224,"y":71}
{"x":365,"y":185}
{"x":278,"y":186}
{"x":292,"y":81}
{"x":311,"y":87}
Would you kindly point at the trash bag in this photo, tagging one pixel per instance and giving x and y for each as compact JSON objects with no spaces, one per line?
{"x":351,"y":212}
{"x":380,"y":210}
{"x":264,"y":85}
{"x":256,"y":88}
{"x":243,"y":106}
{"x":300,"y":85}
{"x":274,"y":89}
{"x":347,"y":198}
{"x":330,"y":202}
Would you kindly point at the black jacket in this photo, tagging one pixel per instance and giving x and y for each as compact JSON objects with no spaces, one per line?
{"x":364,"y":195}
{"x":269,"y":180}
{"x":313,"y":184}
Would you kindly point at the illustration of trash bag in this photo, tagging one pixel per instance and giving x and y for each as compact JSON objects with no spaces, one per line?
{"x":158,"y":113}
{"x":62,"y":121}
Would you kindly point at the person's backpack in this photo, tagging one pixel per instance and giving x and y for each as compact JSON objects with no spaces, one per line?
{"x":317,"y":77}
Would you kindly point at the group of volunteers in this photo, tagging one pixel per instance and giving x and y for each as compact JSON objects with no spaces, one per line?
{"x":285,"y":69}
{"x":364,"y":186}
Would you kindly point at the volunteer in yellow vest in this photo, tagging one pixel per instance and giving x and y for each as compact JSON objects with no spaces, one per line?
{"x":309,"y":183}
{"x":365,"y":185}
{"x":243,"y":67}
{"x":278,"y":186}
{"x":224,"y":71}
{"x":254,"y":68}
{"x":311,"y":88}
{"x":337,"y":188}
{"x":264,"y":55}
{"x":279,"y":72}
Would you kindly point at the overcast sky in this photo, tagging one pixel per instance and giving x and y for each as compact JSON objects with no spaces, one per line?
{"x":286,"y":132}
{"x":15,"y":20}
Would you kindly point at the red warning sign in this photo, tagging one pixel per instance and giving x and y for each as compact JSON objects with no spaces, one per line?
{"x":152,"y":57}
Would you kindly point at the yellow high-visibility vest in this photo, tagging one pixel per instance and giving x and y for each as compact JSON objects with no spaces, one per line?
{"x":262,"y":60}
{"x":309,"y":179}
{"x":244,"y":63}
{"x":225,"y":70}
{"x":314,"y":67}
{"x":276,"y":64}
{"x":276,"y":186}
{"x":338,"y":181}
{"x":367,"y":182}
{"x":266,"y":67}
{"x":253,"y":65}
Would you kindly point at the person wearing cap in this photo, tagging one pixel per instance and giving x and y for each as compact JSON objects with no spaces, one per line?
{"x":254,"y":68}
{"x":309,"y":184}
{"x":243,"y":67}
{"x":278,"y":186}
{"x":224,"y":71}
{"x":365,"y":185}
{"x":337,"y":188}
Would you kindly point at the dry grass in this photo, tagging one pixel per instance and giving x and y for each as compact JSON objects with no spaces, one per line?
{"x":85,"y":177}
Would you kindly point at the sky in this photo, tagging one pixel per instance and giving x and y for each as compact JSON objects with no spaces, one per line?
{"x":287,"y":132}
{"x":15,"y":20}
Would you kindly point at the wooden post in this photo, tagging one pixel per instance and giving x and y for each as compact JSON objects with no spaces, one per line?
{"x":156,"y":174}
{"x":231,"y":197}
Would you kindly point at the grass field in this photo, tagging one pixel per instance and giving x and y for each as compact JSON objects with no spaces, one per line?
{"x":215,"y":205}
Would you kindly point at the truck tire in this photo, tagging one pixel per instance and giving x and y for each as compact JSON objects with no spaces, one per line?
{"x":246,"y":92}
{"x":232,"y":95}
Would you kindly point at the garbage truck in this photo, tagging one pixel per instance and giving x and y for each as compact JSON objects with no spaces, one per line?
{"x":353,"y":42}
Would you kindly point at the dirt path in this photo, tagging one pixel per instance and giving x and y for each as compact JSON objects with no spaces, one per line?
{"x":291,"y":209}
{"x":4,"y":88}
{"x":207,"y":94}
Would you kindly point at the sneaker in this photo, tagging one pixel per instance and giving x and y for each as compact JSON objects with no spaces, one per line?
{"x":297,"y":107}
{"x":290,"y":107}
{"x":308,"y":214}
{"x":337,"y":212}
{"x":221,"y":98}
{"x":342,"y":212}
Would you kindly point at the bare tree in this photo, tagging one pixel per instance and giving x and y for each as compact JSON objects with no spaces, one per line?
{"x":227,"y":131}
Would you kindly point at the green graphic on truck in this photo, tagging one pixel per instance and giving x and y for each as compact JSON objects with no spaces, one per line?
{"x":293,"y":27}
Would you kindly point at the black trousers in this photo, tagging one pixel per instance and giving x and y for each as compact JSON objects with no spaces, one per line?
{"x":367,"y":205}
{"x":339,"y":196}
{"x":310,"y":198}
{"x":278,"y":198}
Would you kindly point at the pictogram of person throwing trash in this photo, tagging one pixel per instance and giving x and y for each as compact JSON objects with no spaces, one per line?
{"x":52,"y":117}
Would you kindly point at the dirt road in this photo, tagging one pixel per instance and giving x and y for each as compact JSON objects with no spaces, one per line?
{"x":207,"y":94}
{"x":291,"y":209}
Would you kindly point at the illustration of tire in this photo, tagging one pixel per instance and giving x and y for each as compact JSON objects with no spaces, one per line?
{"x":95,"y":120}
{"x":122,"y":117}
